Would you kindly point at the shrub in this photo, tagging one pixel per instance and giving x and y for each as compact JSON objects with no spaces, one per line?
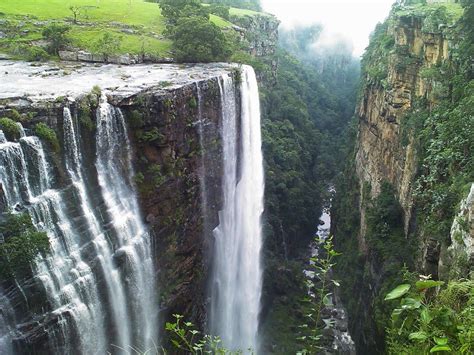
{"x":428,"y":324}
{"x":15,"y":115}
{"x":22,"y":243}
{"x":10,"y":128}
{"x":109,"y":44}
{"x":34,"y":54}
{"x":220,"y":10}
{"x":56,"y":34}
{"x":152,"y":135}
{"x":195,"y":39}
{"x":29,"y":53}
{"x":48,"y":135}
{"x":135,"y":119}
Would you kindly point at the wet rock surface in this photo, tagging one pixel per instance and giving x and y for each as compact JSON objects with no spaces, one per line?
{"x":168,"y":109}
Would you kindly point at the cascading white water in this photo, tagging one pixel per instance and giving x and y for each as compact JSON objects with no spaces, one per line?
{"x":68,"y":281}
{"x":237,"y":274}
{"x":98,"y":277}
{"x":115,"y":174}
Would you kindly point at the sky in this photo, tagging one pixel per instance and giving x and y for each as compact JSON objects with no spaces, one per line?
{"x":352,"y":20}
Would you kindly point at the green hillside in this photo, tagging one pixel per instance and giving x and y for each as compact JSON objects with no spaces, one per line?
{"x":139,"y":23}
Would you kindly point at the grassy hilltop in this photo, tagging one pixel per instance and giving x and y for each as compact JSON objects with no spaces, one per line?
{"x":139,"y":23}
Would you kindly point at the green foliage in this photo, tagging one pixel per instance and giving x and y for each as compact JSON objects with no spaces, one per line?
{"x":385,"y":234}
{"x":108,"y":45}
{"x":48,"y":135}
{"x":21,"y":244}
{"x":195,"y":39}
{"x":173,"y":10}
{"x":186,"y":338}
{"x":34,"y":54}
{"x":319,"y":284}
{"x":241,"y":4}
{"x":85,"y":107}
{"x":220,"y":10}
{"x":15,"y":115}
{"x":445,"y":136}
{"x":192,"y":102}
{"x":10,"y":128}
{"x":156,"y":172}
{"x":85,"y":117}
{"x":28,"y":52}
{"x":375,"y":59}
{"x":135,"y":119}
{"x":57,"y":36}
{"x":11,"y":29}
{"x":427,"y":323}
{"x":152,"y":136}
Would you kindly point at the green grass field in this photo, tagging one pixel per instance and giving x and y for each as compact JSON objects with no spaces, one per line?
{"x":95,"y":18}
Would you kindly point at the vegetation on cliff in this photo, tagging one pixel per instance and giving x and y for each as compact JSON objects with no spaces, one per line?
{"x":438,"y":124}
{"x":426,"y":320}
{"x":304,"y":124}
{"x":21,"y":244}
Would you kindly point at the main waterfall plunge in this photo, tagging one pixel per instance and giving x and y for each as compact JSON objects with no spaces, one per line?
{"x":96,"y":292}
{"x":237,"y":274}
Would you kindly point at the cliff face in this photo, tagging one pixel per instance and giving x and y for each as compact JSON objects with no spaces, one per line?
{"x":260,"y":31}
{"x":173,"y":119}
{"x":380,"y":220}
{"x":381,"y":153}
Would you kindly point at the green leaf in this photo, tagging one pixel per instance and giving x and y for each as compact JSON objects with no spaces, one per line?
{"x":396,"y":314}
{"x":397,"y":292}
{"x":425,"y":315}
{"x":440,"y":341}
{"x":327,"y":300}
{"x":425,"y":284}
{"x":176,"y":343}
{"x":410,"y":303}
{"x":420,"y":336}
{"x":437,"y":348}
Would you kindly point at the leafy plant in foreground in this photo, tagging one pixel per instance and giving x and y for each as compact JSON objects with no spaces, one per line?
{"x":320,"y":284}
{"x":428,"y":322}
{"x":184,"y":337}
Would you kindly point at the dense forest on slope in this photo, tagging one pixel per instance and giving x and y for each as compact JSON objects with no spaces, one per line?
{"x":305,"y":119}
{"x":388,"y":234}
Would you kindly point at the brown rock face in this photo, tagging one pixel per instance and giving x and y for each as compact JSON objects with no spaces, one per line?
{"x":174,"y":129}
{"x":381,"y":154}
{"x":178,"y":161}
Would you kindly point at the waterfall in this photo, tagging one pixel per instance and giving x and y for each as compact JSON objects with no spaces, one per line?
{"x":115,"y":174}
{"x":237,"y":273}
{"x":99,"y":276}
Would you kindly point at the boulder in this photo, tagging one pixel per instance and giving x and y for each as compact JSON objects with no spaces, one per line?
{"x":68,"y":55}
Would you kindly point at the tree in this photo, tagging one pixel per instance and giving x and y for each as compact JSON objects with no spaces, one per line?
{"x":76,"y":10}
{"x":195,"y":39}
{"x":108,"y":45}
{"x":56,"y":35}
{"x":173,"y":10}
{"x":220,"y":10}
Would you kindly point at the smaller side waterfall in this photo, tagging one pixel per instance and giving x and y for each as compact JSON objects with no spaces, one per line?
{"x":237,"y":274}
{"x":115,"y":172}
{"x":98,"y":279}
